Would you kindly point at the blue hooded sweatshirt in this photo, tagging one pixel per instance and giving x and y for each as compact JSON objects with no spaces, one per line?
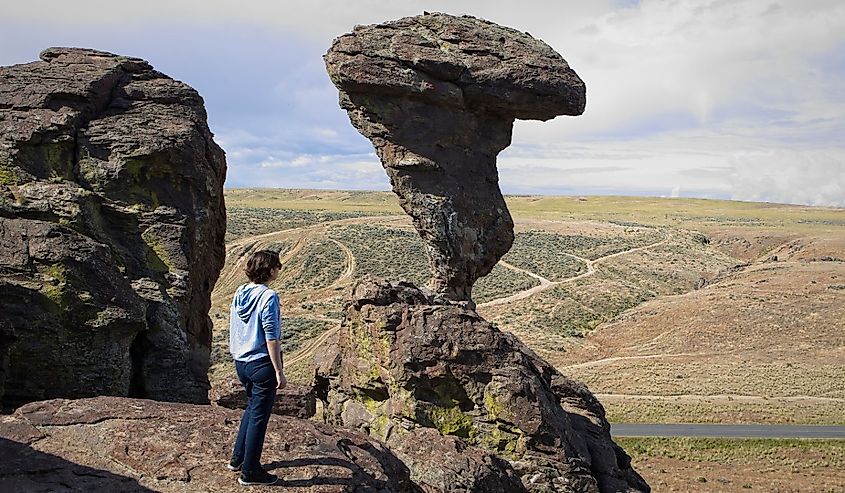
{"x":253,"y":320}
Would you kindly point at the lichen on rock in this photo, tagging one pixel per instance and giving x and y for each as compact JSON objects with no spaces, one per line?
{"x":437,"y":96}
{"x":111,"y":229}
{"x":449,"y":370}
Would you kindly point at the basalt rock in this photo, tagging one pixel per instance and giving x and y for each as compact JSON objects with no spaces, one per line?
{"x":437,"y":96}
{"x":294,"y":400}
{"x":403,"y":362}
{"x":117,"y":444}
{"x":111,"y":229}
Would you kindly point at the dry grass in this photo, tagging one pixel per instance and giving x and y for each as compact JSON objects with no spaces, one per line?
{"x":738,"y":465}
{"x":722,"y":409}
{"x":636,"y":327}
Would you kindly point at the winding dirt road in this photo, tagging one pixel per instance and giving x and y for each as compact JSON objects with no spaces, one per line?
{"x":308,"y":349}
{"x":546,"y":284}
{"x":232,"y":275}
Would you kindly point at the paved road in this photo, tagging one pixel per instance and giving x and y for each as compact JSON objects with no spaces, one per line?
{"x":727,"y":431}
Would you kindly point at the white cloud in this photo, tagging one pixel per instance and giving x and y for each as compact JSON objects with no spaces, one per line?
{"x":317,"y":19}
{"x":693,"y":97}
{"x":810,"y":177}
{"x":690,"y":63}
{"x":684,"y":164}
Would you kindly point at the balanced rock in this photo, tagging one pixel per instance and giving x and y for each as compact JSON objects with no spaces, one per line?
{"x":437,"y":96}
{"x":111,"y":229}
{"x":403,"y":362}
{"x":117,"y":444}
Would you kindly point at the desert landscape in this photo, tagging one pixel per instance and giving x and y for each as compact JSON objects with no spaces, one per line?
{"x":527,"y":295}
{"x":670,"y":310}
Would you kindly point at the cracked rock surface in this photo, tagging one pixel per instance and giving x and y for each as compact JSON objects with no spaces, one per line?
{"x":409,"y":370}
{"x":116,"y":444}
{"x":437,"y":96}
{"x":111,"y":230}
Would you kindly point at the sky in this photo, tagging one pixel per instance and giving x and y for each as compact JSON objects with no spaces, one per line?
{"x":736,"y":99}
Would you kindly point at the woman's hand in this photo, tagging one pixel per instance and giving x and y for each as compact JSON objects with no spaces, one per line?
{"x":281,"y":380}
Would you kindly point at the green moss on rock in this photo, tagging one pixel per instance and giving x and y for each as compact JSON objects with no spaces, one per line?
{"x":8,"y":176}
{"x":494,"y":406}
{"x":451,"y":421}
{"x":504,"y":443}
{"x":380,"y":426}
{"x":158,"y":259}
{"x":54,"y":287}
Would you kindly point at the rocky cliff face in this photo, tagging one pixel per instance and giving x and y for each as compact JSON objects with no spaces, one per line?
{"x":437,"y":96}
{"x":403,"y":362}
{"x":111,"y":229}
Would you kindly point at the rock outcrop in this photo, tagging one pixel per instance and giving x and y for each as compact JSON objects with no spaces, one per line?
{"x":419,"y":369}
{"x":294,"y":400}
{"x":437,"y":95}
{"x":115,"y":444}
{"x":403,"y":362}
{"x":111,"y":229}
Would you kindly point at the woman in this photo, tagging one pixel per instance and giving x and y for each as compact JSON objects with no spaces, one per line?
{"x":254,"y":334}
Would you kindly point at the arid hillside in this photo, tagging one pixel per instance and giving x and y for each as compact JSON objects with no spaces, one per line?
{"x":670,"y":309}
{"x":764,"y":342}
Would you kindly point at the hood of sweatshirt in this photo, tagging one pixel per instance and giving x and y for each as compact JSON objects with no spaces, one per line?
{"x":246,"y":299}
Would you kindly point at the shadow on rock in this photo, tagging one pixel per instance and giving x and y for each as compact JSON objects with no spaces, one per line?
{"x":22,"y":468}
{"x":182,"y":447}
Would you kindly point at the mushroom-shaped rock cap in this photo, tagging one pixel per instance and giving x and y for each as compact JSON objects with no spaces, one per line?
{"x":461,"y":61}
{"x":437,"y":96}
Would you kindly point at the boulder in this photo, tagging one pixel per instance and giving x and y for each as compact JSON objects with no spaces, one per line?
{"x":437,"y":96}
{"x":446,"y":464}
{"x":121,"y":444}
{"x":403,"y":361}
{"x":294,"y":400}
{"x":111,"y":229}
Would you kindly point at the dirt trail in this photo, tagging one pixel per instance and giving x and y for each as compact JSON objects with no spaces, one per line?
{"x":323,"y":225}
{"x":305,"y":232}
{"x":612,"y":359}
{"x":546,"y":284}
{"x":308,"y":349}
{"x":346,"y":275}
{"x":232,"y":274}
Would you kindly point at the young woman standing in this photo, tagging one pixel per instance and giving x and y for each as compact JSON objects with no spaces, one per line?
{"x":254,"y":334}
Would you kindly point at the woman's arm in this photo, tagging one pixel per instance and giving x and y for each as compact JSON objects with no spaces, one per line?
{"x":275,"y":351}
{"x":272,"y":325}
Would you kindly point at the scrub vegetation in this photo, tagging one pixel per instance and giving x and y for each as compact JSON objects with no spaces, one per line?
{"x":640,"y":298}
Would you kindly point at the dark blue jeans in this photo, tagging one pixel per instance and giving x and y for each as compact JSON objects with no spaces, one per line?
{"x":259,"y":379}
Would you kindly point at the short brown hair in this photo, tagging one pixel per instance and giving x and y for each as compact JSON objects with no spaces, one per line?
{"x":260,"y":264}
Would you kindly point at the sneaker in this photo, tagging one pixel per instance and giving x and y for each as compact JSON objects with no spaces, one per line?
{"x":260,"y":477}
{"x":234,"y":464}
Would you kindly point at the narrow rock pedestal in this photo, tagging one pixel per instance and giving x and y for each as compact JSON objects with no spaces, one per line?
{"x":437,"y":96}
